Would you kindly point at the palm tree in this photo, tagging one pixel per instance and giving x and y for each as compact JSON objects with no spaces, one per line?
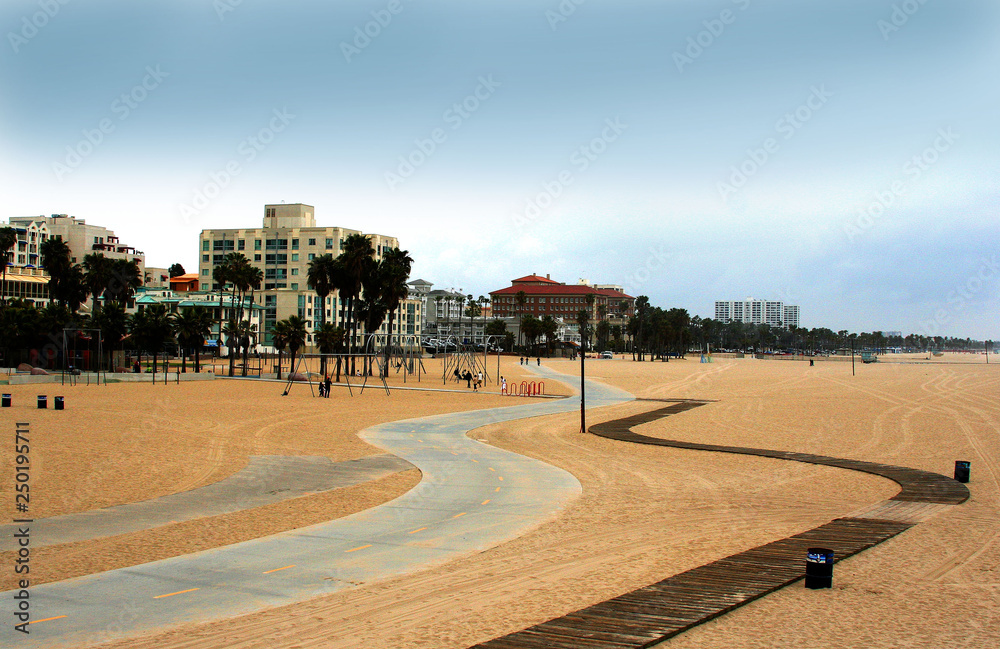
{"x":583,"y":321}
{"x":8,"y":238}
{"x":248,"y":338}
{"x":520,"y":298}
{"x":56,"y":261}
{"x":329,"y":339}
{"x":296,"y":335}
{"x":123,"y":279}
{"x":395,"y":271}
{"x":461,"y":303}
{"x":355,"y":261}
{"x":279,"y":338}
{"x":320,"y":278}
{"x":200,"y":329}
{"x":151,"y":328}
{"x":97,"y":274}
{"x":549,"y":327}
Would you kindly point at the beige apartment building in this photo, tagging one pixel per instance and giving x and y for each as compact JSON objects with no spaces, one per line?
{"x":282,"y":248}
{"x":81,"y":237}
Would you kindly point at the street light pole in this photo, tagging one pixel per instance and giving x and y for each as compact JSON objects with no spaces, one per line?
{"x":583,"y":392}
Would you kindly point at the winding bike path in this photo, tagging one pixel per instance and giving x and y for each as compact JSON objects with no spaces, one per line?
{"x":471,"y":497}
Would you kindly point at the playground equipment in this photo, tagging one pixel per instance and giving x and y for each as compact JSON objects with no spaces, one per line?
{"x":303,"y":368}
{"x":82,"y":351}
{"x":400,"y":352}
{"x":467,"y":357}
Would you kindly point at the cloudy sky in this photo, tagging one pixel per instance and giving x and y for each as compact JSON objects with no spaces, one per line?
{"x":842,"y":155}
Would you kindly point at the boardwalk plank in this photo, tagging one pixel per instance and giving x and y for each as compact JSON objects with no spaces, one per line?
{"x":653,"y":613}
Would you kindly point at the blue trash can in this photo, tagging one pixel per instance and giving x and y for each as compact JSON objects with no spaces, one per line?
{"x":819,"y":568}
{"x":962,"y":470}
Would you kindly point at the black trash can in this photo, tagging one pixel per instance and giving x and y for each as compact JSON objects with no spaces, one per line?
{"x":962,"y":470}
{"x":58,"y":403}
{"x":819,"y":568}
{"x":43,"y":402}
{"x":5,"y":401}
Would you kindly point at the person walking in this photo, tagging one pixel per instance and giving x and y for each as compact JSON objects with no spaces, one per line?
{"x":468,"y":379}
{"x":326,"y":385}
{"x":503,"y":385}
{"x":539,"y":359}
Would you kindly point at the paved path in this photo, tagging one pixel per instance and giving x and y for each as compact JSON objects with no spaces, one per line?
{"x":266,"y":479}
{"x":472,"y":497}
{"x":650,"y":615}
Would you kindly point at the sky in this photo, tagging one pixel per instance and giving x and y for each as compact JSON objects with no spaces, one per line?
{"x":840,"y":155}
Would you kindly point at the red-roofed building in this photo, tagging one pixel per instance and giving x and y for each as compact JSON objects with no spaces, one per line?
{"x":545,"y":296}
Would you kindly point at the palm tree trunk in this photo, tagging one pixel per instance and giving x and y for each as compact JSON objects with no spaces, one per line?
{"x":279,"y":364}
{"x":184,"y":366}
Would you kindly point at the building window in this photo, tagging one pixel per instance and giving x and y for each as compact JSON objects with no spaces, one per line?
{"x":204,"y":271}
{"x":295,"y":271}
{"x":329,"y":244}
{"x":256,"y":257}
{"x":241,"y":244}
{"x":295,"y":256}
{"x":312,"y":255}
{"x":312,"y":242}
{"x":204,"y":258}
{"x":295,"y":286}
{"x":256,"y":244}
{"x":295,"y":244}
{"x":204,"y":245}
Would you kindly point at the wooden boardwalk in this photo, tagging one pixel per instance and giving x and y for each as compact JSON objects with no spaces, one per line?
{"x":649,"y":615}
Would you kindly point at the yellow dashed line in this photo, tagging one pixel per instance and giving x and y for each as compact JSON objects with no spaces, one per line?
{"x":48,"y":619}
{"x":497,"y":489}
{"x":475,"y":460}
{"x":486,"y":501}
{"x":500,"y":478}
{"x":459,"y":515}
{"x":180,"y":592}
{"x":454,"y":453}
{"x":358,"y":548}
{"x":491,"y":469}
{"x":267,"y":572}
{"x":419,"y":530}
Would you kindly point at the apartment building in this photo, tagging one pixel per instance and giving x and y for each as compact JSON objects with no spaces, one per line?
{"x":81,"y":237}
{"x":282,"y":248}
{"x":751,"y":311}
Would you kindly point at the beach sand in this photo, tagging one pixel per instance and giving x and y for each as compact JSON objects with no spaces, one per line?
{"x":649,"y":512}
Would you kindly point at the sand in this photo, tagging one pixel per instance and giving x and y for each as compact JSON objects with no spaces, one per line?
{"x":126,"y":442}
{"x":647,"y":513}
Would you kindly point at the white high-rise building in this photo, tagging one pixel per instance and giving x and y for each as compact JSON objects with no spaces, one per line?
{"x":770,"y":312}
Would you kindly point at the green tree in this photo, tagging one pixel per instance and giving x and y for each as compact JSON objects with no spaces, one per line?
{"x":520,"y":299}
{"x":97,"y":274}
{"x":394,"y":273}
{"x":151,"y":329}
{"x":330,"y":339}
{"x":296,"y":336}
{"x":320,"y":277}
{"x":279,"y":338}
{"x":355,"y":262}
{"x":175,"y":270}
{"x":192,"y":326}
{"x":549,"y":327}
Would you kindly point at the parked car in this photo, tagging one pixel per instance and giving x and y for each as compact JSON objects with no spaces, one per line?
{"x":607,"y":355}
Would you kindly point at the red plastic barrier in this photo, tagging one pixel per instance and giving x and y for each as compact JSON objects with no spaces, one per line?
{"x":523,"y":389}
{"x":541,"y":387}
